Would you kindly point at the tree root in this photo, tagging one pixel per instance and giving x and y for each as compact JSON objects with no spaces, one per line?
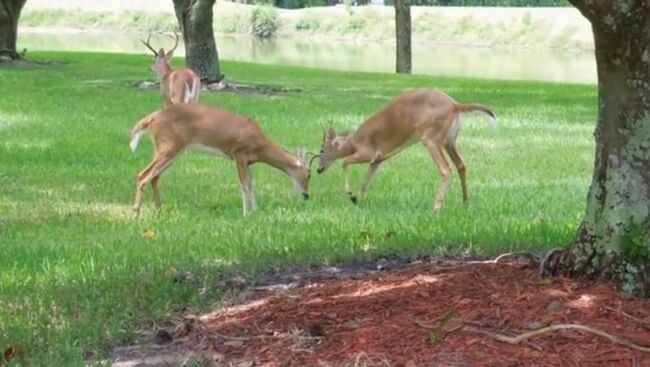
{"x":644,"y":323}
{"x":541,"y":269}
{"x":12,"y":54}
{"x":516,"y":340}
{"x":534,"y":259}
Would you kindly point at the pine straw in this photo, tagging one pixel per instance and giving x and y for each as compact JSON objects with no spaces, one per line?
{"x":433,"y":315}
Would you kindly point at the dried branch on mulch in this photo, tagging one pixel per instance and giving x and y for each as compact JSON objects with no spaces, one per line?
{"x":431,"y":315}
{"x":516,"y":340}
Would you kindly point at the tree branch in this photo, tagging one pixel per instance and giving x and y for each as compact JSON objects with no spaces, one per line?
{"x":516,"y":340}
{"x":586,"y":7}
{"x":644,"y":323}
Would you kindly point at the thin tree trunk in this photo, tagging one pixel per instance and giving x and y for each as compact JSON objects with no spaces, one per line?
{"x":195,"y":20}
{"x":9,"y":14}
{"x":403,"y":36}
{"x":613,"y":240}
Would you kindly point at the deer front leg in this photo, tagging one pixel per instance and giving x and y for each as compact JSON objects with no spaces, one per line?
{"x":443,"y":167}
{"x":351,"y":159}
{"x":245,"y":182}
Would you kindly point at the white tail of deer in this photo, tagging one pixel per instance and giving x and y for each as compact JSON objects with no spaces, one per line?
{"x":428,"y":116}
{"x":178,"y":127}
{"x":176,"y":85}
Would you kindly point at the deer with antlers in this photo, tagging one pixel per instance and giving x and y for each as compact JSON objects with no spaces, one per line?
{"x":428,"y":116}
{"x":183,"y":126}
{"x":176,"y":85}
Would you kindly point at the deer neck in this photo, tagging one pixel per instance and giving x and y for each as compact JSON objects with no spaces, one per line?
{"x":279,"y":158}
{"x":347,"y":147}
{"x":163,"y":71}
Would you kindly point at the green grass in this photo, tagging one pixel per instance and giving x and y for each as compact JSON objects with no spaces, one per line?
{"x":77,"y":275}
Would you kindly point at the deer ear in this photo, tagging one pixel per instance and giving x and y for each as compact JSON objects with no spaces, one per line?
{"x":169,"y":54}
{"x":300,"y":153}
{"x":331,"y":133}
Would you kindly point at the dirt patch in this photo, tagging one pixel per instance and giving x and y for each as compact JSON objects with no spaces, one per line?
{"x":400,"y":313}
{"x":394,"y":318}
{"x":21,"y":63}
{"x":228,"y":88}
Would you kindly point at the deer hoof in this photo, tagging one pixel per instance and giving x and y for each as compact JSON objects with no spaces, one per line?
{"x":353,"y":199}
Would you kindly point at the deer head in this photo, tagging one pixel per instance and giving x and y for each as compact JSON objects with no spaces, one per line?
{"x":160,"y":64}
{"x":333,"y":147}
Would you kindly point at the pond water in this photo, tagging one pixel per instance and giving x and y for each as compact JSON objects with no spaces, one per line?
{"x":491,"y":63}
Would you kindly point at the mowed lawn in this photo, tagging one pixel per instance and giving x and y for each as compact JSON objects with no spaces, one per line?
{"x":77,"y":275}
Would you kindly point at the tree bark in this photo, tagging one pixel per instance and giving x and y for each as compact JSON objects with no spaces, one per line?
{"x":613,"y":241}
{"x":9,"y":14}
{"x":195,"y":21}
{"x":403,"y":36}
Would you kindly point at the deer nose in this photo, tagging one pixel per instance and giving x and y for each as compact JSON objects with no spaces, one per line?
{"x":305,"y":196}
{"x":320,"y":170}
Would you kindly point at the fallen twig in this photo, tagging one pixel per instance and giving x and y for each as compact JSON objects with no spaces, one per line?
{"x":496,"y":260}
{"x":644,"y":323}
{"x":515,"y":340}
{"x":282,"y":336}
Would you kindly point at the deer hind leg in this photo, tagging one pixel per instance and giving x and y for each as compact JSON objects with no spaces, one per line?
{"x":246,"y":184}
{"x":372,"y":169}
{"x":460,"y":166}
{"x":153,"y":171}
{"x":443,"y":167}
{"x":156,"y":192}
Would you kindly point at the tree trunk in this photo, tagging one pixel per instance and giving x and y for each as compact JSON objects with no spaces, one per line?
{"x":9,"y":14}
{"x":195,"y":21}
{"x":403,"y":36}
{"x":613,"y":241}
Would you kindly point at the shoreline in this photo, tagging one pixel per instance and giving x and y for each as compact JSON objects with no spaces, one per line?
{"x":476,"y":27}
{"x":67,"y":30}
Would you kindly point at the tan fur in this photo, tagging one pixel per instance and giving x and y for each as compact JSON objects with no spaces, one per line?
{"x":174,"y":83}
{"x":178,"y":127}
{"x":427,"y":116}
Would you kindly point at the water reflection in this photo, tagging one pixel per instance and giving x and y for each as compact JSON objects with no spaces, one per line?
{"x":514,"y":64}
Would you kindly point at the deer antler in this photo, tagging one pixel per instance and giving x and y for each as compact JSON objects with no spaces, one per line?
{"x":149,"y":45}
{"x":175,"y":44}
{"x":314,"y":156}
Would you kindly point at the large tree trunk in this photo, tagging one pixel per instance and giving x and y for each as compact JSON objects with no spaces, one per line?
{"x":9,"y":14}
{"x":613,"y":240}
{"x":403,"y":36}
{"x":195,"y":21}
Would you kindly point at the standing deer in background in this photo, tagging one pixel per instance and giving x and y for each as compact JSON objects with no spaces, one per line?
{"x":182,"y":126}
{"x":176,"y":86}
{"x":428,"y":116}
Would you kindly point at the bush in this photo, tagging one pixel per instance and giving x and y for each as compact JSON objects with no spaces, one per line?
{"x":307,"y":24}
{"x":264,"y":21}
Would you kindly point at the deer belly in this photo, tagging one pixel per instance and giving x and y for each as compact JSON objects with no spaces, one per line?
{"x":208,"y":150}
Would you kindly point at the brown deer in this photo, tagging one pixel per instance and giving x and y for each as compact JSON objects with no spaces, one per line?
{"x":428,"y":116}
{"x":176,"y":85}
{"x":183,"y":126}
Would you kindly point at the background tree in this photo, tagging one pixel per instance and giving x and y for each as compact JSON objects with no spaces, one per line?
{"x":403,"y":36}
{"x":9,"y":14}
{"x":195,"y":21}
{"x":613,"y":241}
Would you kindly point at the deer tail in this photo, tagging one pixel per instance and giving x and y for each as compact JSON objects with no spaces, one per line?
{"x":139,"y":129}
{"x":192,"y":91}
{"x":474,"y":107}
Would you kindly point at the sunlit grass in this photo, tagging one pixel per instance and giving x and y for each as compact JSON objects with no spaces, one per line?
{"x":78,"y":275}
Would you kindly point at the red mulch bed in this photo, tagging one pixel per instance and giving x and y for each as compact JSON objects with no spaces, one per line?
{"x":386,"y":319}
